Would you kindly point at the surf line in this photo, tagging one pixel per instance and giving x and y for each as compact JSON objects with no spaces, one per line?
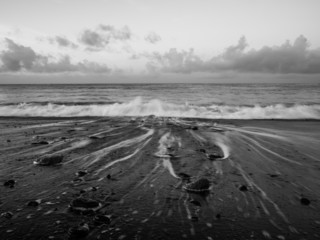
{"x":167,"y":141}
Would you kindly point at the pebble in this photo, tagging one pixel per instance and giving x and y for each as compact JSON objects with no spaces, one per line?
{"x":9,"y":183}
{"x":243,"y":188}
{"x":49,"y":160}
{"x":7,"y":215}
{"x":99,"y":220}
{"x":305,"y":201}
{"x":80,"y":231}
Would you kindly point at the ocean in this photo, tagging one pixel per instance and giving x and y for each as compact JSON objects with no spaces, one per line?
{"x":210,"y":101}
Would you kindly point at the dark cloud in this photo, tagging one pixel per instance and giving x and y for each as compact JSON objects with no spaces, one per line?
{"x":17,"y":57}
{"x":21,"y":58}
{"x":286,"y":58}
{"x":99,"y":38}
{"x":153,"y":38}
{"x":63,"y":42}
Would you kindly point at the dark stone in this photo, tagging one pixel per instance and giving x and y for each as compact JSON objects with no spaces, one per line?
{"x":243,"y":188}
{"x":273,"y":175}
{"x":81,"y":173}
{"x":33,"y":203}
{"x":40,"y":143}
{"x":202,"y":150}
{"x":49,"y":160}
{"x":109,"y":176}
{"x":7,"y":215}
{"x":184,"y":176}
{"x":79,"y":232}
{"x":8,"y":140}
{"x":201,"y":185}
{"x":94,"y":137}
{"x":194,"y":128}
{"x":194,"y":219}
{"x":9,"y":183}
{"x":305,"y":201}
{"x":218,"y":216}
{"x":99,"y":220}
{"x":84,"y":204}
{"x":195,"y":203}
{"x":215,"y":156}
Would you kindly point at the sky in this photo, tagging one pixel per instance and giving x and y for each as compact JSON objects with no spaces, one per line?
{"x":120,"y":41}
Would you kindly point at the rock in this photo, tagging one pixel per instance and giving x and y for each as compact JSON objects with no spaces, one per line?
{"x":214,"y":156}
{"x":49,"y":160}
{"x":243,"y":188}
{"x":80,"y":231}
{"x":10,"y":183}
{"x":81,"y":173}
{"x":8,"y":140}
{"x":304,"y":201}
{"x":202,"y":150}
{"x":200,"y":185}
{"x":194,"y":219}
{"x":109,"y":176}
{"x":100,"y":219}
{"x":218,"y":216}
{"x":194,"y":128}
{"x":184,"y":176}
{"x":40,"y":143}
{"x":94,"y":137}
{"x":33,"y":203}
{"x":195,"y":202}
{"x":7,"y":215}
{"x":84,"y":205}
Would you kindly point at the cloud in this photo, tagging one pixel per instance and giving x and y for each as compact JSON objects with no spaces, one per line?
{"x":62,"y":41}
{"x":18,"y":58}
{"x":153,"y":38}
{"x":99,"y":38}
{"x":286,"y":58}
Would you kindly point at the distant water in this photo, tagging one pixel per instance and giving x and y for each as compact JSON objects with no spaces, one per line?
{"x":234,"y":101}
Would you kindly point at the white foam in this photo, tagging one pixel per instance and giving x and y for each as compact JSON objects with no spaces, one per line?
{"x":138,"y":107}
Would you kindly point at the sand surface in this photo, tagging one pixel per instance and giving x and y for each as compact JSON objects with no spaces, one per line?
{"x":264,"y":180}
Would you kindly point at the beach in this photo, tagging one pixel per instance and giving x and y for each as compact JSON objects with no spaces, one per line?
{"x":159,"y":178}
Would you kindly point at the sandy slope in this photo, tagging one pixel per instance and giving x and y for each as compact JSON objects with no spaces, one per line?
{"x":137,"y":169}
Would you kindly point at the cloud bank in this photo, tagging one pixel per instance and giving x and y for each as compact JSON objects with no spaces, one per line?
{"x":19,"y":58}
{"x":100,"y":37}
{"x":296,"y":57}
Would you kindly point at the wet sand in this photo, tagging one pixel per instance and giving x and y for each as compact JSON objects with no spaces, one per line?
{"x":264,"y":178}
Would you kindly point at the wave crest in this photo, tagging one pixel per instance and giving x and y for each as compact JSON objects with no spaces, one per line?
{"x":138,"y":107}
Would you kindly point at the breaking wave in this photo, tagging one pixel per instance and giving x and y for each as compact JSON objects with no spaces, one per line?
{"x":138,"y":107}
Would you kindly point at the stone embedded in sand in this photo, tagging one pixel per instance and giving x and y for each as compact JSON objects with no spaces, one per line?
{"x":34,"y":203}
{"x":100,"y":219}
{"x":184,"y":176}
{"x":243,"y":188}
{"x":6,"y":215}
{"x":10,"y":183}
{"x":49,"y":160}
{"x":78,"y":232}
{"x":81,"y":173}
{"x":305,"y":201}
{"x":40,"y":143}
{"x":202,"y":150}
{"x":84,"y":205}
{"x":215,"y":156}
{"x":196,"y":203}
{"x":201,"y":185}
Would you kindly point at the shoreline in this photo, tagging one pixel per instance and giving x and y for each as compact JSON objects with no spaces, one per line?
{"x":263,"y":175}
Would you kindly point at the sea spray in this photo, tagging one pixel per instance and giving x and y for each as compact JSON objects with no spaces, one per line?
{"x":139,"y":107}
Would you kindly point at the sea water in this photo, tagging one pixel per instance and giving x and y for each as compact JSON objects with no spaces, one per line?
{"x":231,"y":101}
